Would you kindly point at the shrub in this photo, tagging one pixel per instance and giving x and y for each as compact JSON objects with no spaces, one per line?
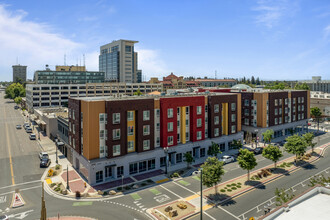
{"x":239,"y":183}
{"x":228,"y":185}
{"x":119,"y":188}
{"x":228,"y":190}
{"x":233,"y":184}
{"x":57,"y":167}
{"x":252,"y":178}
{"x":52,"y":185}
{"x":57,"y":189}
{"x":59,"y":184}
{"x":222,"y":190}
{"x":233,"y":188}
{"x":55,"y":173}
{"x":175,"y":175}
{"x":239,"y":186}
{"x":78,"y":194}
{"x":257,"y":178}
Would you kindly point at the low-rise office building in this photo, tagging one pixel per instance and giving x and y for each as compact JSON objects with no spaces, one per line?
{"x":115,"y":137}
{"x":54,"y":95}
{"x":322,"y":101}
{"x":284,"y":112}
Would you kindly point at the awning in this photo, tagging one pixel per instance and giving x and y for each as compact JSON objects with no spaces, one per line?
{"x":59,"y":143}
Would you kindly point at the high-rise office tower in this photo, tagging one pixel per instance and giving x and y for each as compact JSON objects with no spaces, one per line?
{"x":119,"y":61}
{"x":19,"y":73}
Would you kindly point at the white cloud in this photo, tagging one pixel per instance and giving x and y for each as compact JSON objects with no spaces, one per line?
{"x":33,"y":43}
{"x":272,"y":11}
{"x":150,"y":63}
{"x":326,"y":31}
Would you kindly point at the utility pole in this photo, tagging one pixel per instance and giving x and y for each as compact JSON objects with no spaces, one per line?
{"x":201,"y":193}
{"x":43,"y":205}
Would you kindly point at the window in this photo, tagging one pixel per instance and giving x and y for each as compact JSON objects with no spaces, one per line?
{"x":302,"y":108}
{"x":146,"y":129}
{"x":101,"y":134}
{"x":286,"y":101}
{"x":187,"y":136}
{"x":302,"y":99}
{"x":133,"y":168}
{"x":233,"y":117}
{"x":280,"y":120}
{"x":130,"y":146}
{"x":298,"y":117}
{"x":116,"y":118}
{"x":280,"y":111}
{"x":202,"y":152}
{"x":130,"y":130}
{"x":216,"y":132}
{"x":246,"y":112}
{"x":151,"y":164}
{"x":293,"y":117}
{"x":286,"y":110}
{"x":294,"y":101}
{"x":302,"y":115}
{"x":158,"y":126}
{"x":170,"y":126}
{"x":146,"y":145}
{"x":299,"y":100}
{"x":158,"y":141}
{"x":199,"y":135}
{"x":178,"y":111}
{"x":99,"y":176}
{"x":178,"y":158}
{"x":101,"y":118}
{"x":178,"y":138}
{"x":276,"y":121}
{"x":294,"y":109}
{"x":276,"y":111}
{"x":298,"y":108}
{"x":233,"y":129}
{"x":162,"y":161}
{"x":222,"y":147}
{"x":246,"y":102}
{"x":120,"y":171}
{"x":187,"y":110}
{"x":130,"y":116}
{"x":199,"y":122}
{"x":199,"y":110}
{"x":146,"y":115}
{"x":216,"y":120}
{"x":276,"y":102}
{"x":73,"y":129}
{"x":128,"y":49}
{"x":206,"y":110}
{"x":246,"y":121}
{"x":158,"y":113}
{"x":280,"y":101}
{"x":233,"y":106}
{"x":116,"y":150}
{"x":73,"y":115}
{"x":116,"y":134}
{"x":170,"y":140}
{"x":170,"y":113}
{"x":216,"y":108}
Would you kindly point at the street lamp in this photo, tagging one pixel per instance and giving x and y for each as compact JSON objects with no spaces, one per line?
{"x":201,"y":193}
{"x":166,"y":158}
{"x":122,"y":182}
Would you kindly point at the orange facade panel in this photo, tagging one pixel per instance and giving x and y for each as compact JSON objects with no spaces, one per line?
{"x":239,"y":112}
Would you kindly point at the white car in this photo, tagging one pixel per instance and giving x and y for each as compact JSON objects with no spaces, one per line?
{"x":43,"y":155}
{"x":227,"y":159}
{"x":4,"y":217}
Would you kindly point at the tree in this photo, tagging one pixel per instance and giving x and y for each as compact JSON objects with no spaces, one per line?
{"x":214,"y":150}
{"x":316,"y":113}
{"x":15,"y":90}
{"x":188,"y":158}
{"x":237,"y":144}
{"x":138,"y":93}
{"x":295,"y":145}
{"x":212,"y":172}
{"x":246,"y":160}
{"x":18,"y":100}
{"x":282,"y":196}
{"x":302,"y":86}
{"x":253,"y":81}
{"x":308,"y":138}
{"x":272,"y":153}
{"x":258,"y":81}
{"x":268,"y":135}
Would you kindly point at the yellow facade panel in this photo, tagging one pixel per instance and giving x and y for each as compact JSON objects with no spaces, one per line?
{"x":131,"y":137}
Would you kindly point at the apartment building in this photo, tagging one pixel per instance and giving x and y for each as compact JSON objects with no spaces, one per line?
{"x":54,"y":95}
{"x":119,"y":61}
{"x":281,"y":111}
{"x":19,"y":73}
{"x":114,"y":137}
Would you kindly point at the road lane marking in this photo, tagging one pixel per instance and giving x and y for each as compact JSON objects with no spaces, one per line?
{"x":155,"y":191}
{"x":209,"y":216}
{"x":82,"y":203}
{"x":136,"y":196}
{"x":8,"y":145}
{"x":34,"y":181}
{"x":184,"y":188}
{"x":171,"y":192}
{"x":34,"y":187}
{"x":229,"y":213}
{"x":185,"y":183}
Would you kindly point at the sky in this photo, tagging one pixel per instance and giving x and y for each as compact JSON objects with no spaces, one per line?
{"x":272,"y":40}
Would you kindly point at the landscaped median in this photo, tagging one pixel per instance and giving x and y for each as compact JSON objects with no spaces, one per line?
{"x":228,"y":190}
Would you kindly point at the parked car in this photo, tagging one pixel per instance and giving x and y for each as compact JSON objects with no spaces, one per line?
{"x":227,"y":159}
{"x":33,"y":136}
{"x":16,"y":107}
{"x":45,"y":162}
{"x":4,"y":217}
{"x":26,"y":124}
{"x":196,"y":172}
{"x":28,"y":130}
{"x":18,"y":126}
{"x":258,"y":150}
{"x":43,"y":155}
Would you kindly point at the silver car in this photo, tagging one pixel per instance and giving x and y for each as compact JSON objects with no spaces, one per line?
{"x":227,"y":159}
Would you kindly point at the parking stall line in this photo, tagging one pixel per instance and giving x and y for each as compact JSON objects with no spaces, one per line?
{"x":171,"y":192}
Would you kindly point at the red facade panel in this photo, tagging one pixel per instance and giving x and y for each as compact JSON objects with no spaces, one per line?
{"x":174,"y":103}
